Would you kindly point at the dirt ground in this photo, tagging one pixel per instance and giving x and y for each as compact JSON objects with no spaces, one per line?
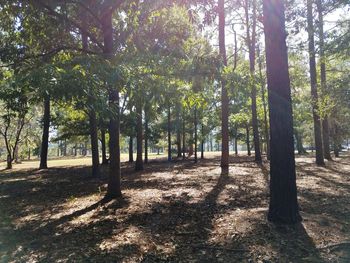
{"x":173,"y":212}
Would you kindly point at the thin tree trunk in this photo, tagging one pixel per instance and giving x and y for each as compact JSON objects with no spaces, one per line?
{"x":139,"y":135}
{"x":190,"y":150}
{"x":146,"y":136}
{"x":9,"y":162}
{"x":195,"y":135}
{"x":92,"y":120}
{"x":251,"y":41}
{"x":202,"y":141}
{"x":248,"y":140}
{"x":114,"y":187}
{"x":65,"y":147}
{"x":169,"y":135}
{"x":224,"y":95}
{"x":183,"y":137}
{"x":103,"y":147}
{"x":299,"y":142}
{"x":313,"y":82}
{"x":94,"y":144}
{"x":45,"y":135}
{"x":178,"y":132}
{"x":283,"y":206}
{"x":325,"y":125}
{"x":131,"y":149}
{"x":266,"y":126}
{"x":236,"y":146}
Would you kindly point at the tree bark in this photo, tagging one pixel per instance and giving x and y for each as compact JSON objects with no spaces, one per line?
{"x":114,"y":187}
{"x":325,"y":125}
{"x":248,"y":140}
{"x":45,"y":135}
{"x":224,"y":95}
{"x":183,"y":137}
{"x":313,"y":82}
{"x":94,"y":144}
{"x":139,"y":135}
{"x":251,"y":42}
{"x":103,"y":147}
{"x":146,"y":136}
{"x":202,"y":141}
{"x":178,"y":132}
{"x":299,"y":142}
{"x":236,"y":140}
{"x":65,"y":148}
{"x":266,"y":126}
{"x":131,"y":149}
{"x":283,"y":206}
{"x":169,"y":135}
{"x":195,"y":135}
{"x":9,"y":162}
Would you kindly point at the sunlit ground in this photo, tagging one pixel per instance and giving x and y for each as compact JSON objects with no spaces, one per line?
{"x":177,"y":212}
{"x":69,"y":161}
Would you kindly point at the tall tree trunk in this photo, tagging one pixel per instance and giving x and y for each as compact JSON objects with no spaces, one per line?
{"x":9,"y":162}
{"x":94,"y":144}
{"x":139,"y":135}
{"x":283,"y":191}
{"x":92,"y":120}
{"x":131,"y":149}
{"x":251,"y":42}
{"x":113,"y":188}
{"x":146,"y":135}
{"x":325,"y":125}
{"x":183,"y":137}
{"x":190,"y":150}
{"x":195,"y":135}
{"x":103,"y":147}
{"x":202,"y":141}
{"x":65,"y":147}
{"x":45,"y":137}
{"x":313,"y":82}
{"x":224,"y":95}
{"x":236,"y":146}
{"x":178,"y":131}
{"x":169,"y":135}
{"x":299,"y":142}
{"x":248,"y":140}
{"x":266,"y":126}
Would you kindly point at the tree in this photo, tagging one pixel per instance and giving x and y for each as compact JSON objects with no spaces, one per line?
{"x":251,"y":43}
{"x":45,"y":135}
{"x":283,"y":191}
{"x":224,"y":94}
{"x":139,"y":131}
{"x":114,"y":187}
{"x":14,"y":104}
{"x":313,"y":82}
{"x":325,"y":124}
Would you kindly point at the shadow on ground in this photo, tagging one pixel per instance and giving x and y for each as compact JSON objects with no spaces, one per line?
{"x":177,"y":212}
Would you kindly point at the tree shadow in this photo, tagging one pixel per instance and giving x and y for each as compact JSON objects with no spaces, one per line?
{"x":188,"y":226}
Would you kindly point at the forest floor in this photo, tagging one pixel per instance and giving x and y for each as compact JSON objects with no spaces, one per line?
{"x":173,"y":212}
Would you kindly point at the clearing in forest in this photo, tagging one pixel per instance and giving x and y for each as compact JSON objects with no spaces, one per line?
{"x":173,"y":212}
